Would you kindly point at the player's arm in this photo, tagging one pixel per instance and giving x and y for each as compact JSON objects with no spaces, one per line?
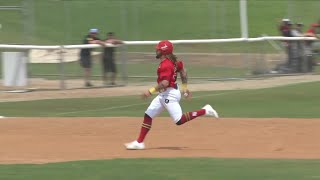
{"x":158,"y":88}
{"x":184,"y":80}
{"x":95,"y":41}
{"x":117,"y":41}
{"x":164,"y":78}
{"x":184,"y":76}
{"x":113,"y":41}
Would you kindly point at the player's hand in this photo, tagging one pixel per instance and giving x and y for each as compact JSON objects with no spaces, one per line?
{"x":146,"y":94}
{"x":187,"y":94}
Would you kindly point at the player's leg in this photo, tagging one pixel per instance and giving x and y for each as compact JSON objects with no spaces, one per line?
{"x":110,"y":70}
{"x":104,"y":70}
{"x":175,"y":111}
{"x":86,"y":64}
{"x":188,"y":116}
{"x":171,"y":103}
{"x":87,"y":75}
{"x":114,"y":72}
{"x":206,"y":110}
{"x":153,"y":110}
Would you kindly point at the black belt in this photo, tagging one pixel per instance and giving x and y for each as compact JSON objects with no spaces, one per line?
{"x":176,"y":86}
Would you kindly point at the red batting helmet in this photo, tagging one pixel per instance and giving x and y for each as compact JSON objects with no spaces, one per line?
{"x":165,"y":47}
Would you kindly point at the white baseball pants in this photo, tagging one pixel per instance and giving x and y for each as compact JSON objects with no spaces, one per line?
{"x":168,"y":100}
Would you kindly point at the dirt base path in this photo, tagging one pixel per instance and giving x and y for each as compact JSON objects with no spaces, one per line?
{"x":42,"y":140}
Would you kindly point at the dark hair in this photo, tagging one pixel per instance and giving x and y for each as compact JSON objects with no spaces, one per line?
{"x":110,"y":33}
{"x":172,"y":58}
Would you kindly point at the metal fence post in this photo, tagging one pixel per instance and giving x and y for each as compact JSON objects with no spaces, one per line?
{"x":61,"y":68}
{"x":28,"y":22}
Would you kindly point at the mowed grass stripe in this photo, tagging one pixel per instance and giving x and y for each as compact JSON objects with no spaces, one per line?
{"x":295,"y":101}
{"x":139,"y":104}
{"x":180,"y":168}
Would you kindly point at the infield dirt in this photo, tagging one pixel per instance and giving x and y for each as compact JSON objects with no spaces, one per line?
{"x":43,"y":140}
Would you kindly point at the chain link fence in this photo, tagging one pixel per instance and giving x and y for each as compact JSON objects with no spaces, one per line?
{"x":61,"y":22}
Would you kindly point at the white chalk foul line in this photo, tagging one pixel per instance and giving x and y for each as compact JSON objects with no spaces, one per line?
{"x":138,"y":104}
{"x":101,"y":109}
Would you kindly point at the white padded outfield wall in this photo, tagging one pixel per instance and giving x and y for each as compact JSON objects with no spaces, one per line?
{"x":14,"y":69}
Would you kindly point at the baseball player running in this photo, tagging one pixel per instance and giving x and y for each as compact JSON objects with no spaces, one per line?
{"x":169,"y":94}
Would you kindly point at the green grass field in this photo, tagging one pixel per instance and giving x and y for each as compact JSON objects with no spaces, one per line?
{"x":293,"y":101}
{"x":137,"y":69}
{"x":172,"y":169}
{"x":65,"y":22}
{"x":72,"y":70}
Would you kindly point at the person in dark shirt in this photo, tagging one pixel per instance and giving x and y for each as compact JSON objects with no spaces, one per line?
{"x":108,"y":60}
{"x":313,"y":47}
{"x":284,"y":27}
{"x":85,"y":54}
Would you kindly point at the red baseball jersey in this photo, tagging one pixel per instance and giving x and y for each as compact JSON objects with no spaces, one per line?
{"x":168,"y":71}
{"x":311,"y":31}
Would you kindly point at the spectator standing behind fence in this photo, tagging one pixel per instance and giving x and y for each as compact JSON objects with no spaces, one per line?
{"x":298,"y":49}
{"x":297,"y":30}
{"x":85,"y":55}
{"x":108,"y":60}
{"x":313,"y":47}
{"x":285,"y":29}
{"x":314,"y":31}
